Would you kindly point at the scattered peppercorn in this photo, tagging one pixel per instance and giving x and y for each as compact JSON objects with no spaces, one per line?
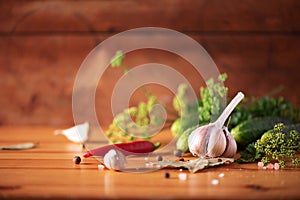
{"x":167,"y":175}
{"x":181,"y":159}
{"x":77,"y":160}
{"x":159,"y":158}
{"x":177,"y":153}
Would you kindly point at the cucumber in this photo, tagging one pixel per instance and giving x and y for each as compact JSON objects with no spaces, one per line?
{"x":175,"y":127}
{"x":182,"y":142}
{"x":251,"y":130}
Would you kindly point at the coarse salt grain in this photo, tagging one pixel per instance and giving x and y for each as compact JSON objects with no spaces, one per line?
{"x":260,"y":164}
{"x":264,"y":167}
{"x":215,"y":182}
{"x":157,"y":166}
{"x":182,"y":176}
{"x":148,"y":164}
{"x":101,"y":166}
{"x":276,"y":166}
{"x":270,"y":166}
{"x":221,"y":175}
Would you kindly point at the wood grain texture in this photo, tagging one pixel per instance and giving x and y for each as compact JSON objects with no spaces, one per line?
{"x":43,"y":44}
{"x":39,"y":81}
{"x":47,"y":171}
{"x":115,"y":16}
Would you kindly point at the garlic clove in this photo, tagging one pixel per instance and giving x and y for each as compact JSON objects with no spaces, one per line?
{"x":216,"y":144}
{"x":115,"y":160}
{"x":77,"y":134}
{"x":197,"y":141}
{"x":231,"y":147}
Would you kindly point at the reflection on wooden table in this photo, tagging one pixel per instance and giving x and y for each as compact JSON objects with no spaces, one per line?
{"x":47,"y":171}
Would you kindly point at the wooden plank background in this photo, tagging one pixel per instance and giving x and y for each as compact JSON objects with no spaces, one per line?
{"x":43,"y":43}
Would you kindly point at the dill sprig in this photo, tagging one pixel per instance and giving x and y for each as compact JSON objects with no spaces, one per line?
{"x":278,"y":145}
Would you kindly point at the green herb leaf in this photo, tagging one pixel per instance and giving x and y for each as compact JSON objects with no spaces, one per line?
{"x":136,"y":120}
{"x":249,"y":154}
{"x":262,"y":107}
{"x":117,"y":60}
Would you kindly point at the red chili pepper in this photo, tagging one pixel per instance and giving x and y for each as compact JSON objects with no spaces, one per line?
{"x":126,"y":148}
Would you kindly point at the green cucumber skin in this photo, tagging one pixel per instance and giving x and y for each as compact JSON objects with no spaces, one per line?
{"x":293,"y":127}
{"x":182,"y":142}
{"x":251,"y":130}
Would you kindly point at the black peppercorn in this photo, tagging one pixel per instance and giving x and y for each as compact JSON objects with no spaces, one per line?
{"x":181,"y":159}
{"x":167,"y":175}
{"x":177,"y":153}
{"x":159,"y":158}
{"x":77,"y":160}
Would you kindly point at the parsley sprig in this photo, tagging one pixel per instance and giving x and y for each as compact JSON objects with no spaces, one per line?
{"x":135,"y":122}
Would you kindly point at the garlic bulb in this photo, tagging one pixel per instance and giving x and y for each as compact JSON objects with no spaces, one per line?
{"x":115,"y":160}
{"x":214,"y":140}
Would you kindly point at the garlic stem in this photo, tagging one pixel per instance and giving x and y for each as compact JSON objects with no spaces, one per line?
{"x":229,"y":108}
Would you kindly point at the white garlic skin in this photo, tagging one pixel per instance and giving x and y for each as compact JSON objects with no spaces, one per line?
{"x":216,"y":143}
{"x":115,"y":160}
{"x":197,"y":141}
{"x":214,"y":140}
{"x":211,"y":141}
{"x":231,"y":147}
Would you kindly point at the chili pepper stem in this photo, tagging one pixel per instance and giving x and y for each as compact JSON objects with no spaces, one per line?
{"x":156,"y":145}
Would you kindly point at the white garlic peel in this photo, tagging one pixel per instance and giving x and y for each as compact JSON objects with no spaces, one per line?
{"x":77,"y":134}
{"x":214,"y":140}
{"x":231,"y":146}
{"x":115,"y":160}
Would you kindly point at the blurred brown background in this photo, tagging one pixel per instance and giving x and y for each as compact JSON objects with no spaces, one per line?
{"x":43,"y":43}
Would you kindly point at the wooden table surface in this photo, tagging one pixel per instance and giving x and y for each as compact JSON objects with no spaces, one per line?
{"x":47,"y":171}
